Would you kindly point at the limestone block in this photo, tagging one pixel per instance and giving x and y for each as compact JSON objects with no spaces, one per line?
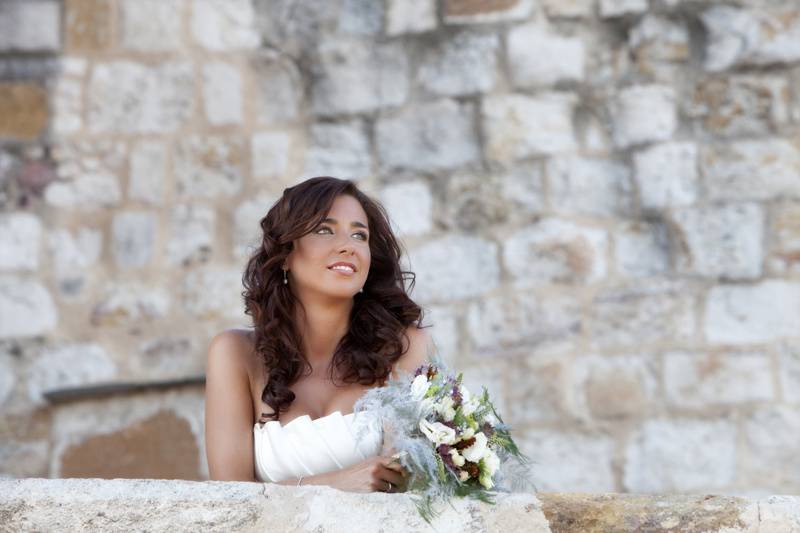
{"x":246,"y":222}
{"x":570,"y":460}
{"x":746,"y":314}
{"x":522,"y":319}
{"x":656,"y":38}
{"x":519,"y":126}
{"x":26,"y":308}
{"x":147,"y":172}
{"x":67,"y":106}
{"x":666,"y":175}
{"x":569,"y":8}
{"x":643,"y":113}
{"x":224,"y":25}
{"x":784,"y":238}
{"x":462,"y":64}
{"x":23,"y":110}
{"x":278,"y":89}
{"x":789,"y":365}
{"x":20,"y":238}
{"x":473,"y":202}
{"x":361,"y":17}
{"x":206,"y":294}
{"x":358,"y":77}
{"x":151,"y":25}
{"x":30,"y":26}
{"x":429,"y":136}
{"x":615,"y":387}
{"x":742,"y":36}
{"x":535,"y":392}
{"x":592,"y":186}
{"x":8,"y":378}
{"x":454,"y":267}
{"x":166,"y":357}
{"x":128,"y":97}
{"x":481,"y":12}
{"x":447,"y":339}
{"x":89,"y":191}
{"x":88,"y":25}
{"x":556,"y":251}
{"x":410,"y":16}
{"x":133,"y":238}
{"x":129,"y":303}
{"x":770,"y":445}
{"x":269,"y":154}
{"x":642,"y":315}
{"x":539,"y":57}
{"x":192,"y":234}
{"x":618,"y":8}
{"x":208,"y":167}
{"x":68,"y":365}
{"x":72,"y":256}
{"x":641,"y":249}
{"x":699,"y":380}
{"x":751,"y":169}
{"x":222,"y":93}
{"x":723,"y":241}
{"x":339,"y":149}
{"x":681,"y":455}
{"x":409,"y":206}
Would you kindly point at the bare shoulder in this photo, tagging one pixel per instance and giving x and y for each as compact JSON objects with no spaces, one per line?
{"x":417,"y":349}
{"x":234,"y":346}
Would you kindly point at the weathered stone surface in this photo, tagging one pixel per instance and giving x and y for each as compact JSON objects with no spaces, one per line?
{"x":520,"y":126}
{"x":697,"y":380}
{"x":269,"y":154}
{"x":658,"y":39}
{"x":569,"y":8}
{"x":340,"y":150}
{"x":540,"y":57}
{"x":770,"y":434}
{"x":88,"y":24}
{"x":461,"y":64}
{"x":741,"y":36}
{"x":522,"y":188}
{"x":789,"y":365}
{"x":361,"y":17}
{"x":617,"y":8}
{"x":744,"y":314}
{"x":784,"y":238}
{"x":638,"y":316}
{"x":720,"y":241}
{"x":473,"y":201}
{"x":26,"y":308}
{"x":67,"y":106}
{"x":88,"y":191}
{"x":751,"y":170}
{"x":130,"y":303}
{"x":410,"y":16}
{"x":666,"y":175}
{"x":20,"y":238}
{"x":167,"y":357}
{"x":535,"y":391}
{"x":486,"y":11}
{"x":73,"y":254}
{"x":213,"y":293}
{"x":643,"y":113}
{"x":447,"y":341}
{"x":224,"y":25}
{"x":556,"y":251}
{"x":278,"y":89}
{"x":247,"y":230}
{"x":641,"y":249}
{"x":570,"y":461}
{"x":409,"y":206}
{"x":222,"y":93}
{"x":591,"y":186}
{"x":133,"y":236}
{"x":68,"y":365}
{"x":681,"y":455}
{"x":522,"y":319}
{"x":454,"y":267}
{"x":23,"y":110}
{"x":147,"y":172}
{"x":429,"y":136}
{"x":24,"y":459}
{"x":151,"y":25}
{"x":208,"y":167}
{"x":356,"y":77}
{"x":8,"y":378}
{"x":742,"y":105}
{"x":192,"y":235}
{"x":30,"y":26}
{"x":613,"y":387}
{"x":130,"y":97}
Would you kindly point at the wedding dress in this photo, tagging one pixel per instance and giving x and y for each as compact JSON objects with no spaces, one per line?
{"x":306,"y":447}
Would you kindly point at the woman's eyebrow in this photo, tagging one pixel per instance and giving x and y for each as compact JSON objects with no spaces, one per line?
{"x":354,"y":224}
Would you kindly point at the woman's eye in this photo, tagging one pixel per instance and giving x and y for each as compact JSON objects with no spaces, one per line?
{"x":364,"y":236}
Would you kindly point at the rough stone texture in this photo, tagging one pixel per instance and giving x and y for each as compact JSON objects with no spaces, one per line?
{"x":340,"y":149}
{"x":473,"y":201}
{"x":589,"y":186}
{"x":720,"y":241}
{"x":67,"y":105}
{"x":520,"y":126}
{"x":20,"y":239}
{"x":167,"y":357}
{"x":224,"y":25}
{"x":206,"y":294}
{"x":246,"y":223}
{"x":208,"y":167}
{"x":133,"y":234}
{"x":26,"y":308}
{"x":278,"y":89}
{"x":269,"y":154}
{"x":666,"y":175}
{"x":643,"y":113}
{"x":222,"y":93}
{"x":659,"y":39}
{"x":789,"y":362}
{"x":616,"y":8}
{"x":680,"y":455}
{"x":72,"y":255}
{"x":483,"y":11}
{"x":461,"y":64}
{"x":192,"y":237}
{"x":569,"y":8}
{"x":410,"y":16}
{"x":784,"y":239}
{"x":409,"y":207}
{"x":361,"y":17}
{"x":87,"y":24}
{"x":571,"y":461}
{"x":758,"y":312}
{"x":642,"y":249}
{"x":430,"y":136}
{"x":556,"y":58}
{"x":130,"y":303}
{"x":535,"y":391}
{"x":769,"y":433}
{"x":23,"y":110}
{"x":151,"y":25}
{"x":147,"y":172}
{"x":30,"y":26}
{"x":68,"y":365}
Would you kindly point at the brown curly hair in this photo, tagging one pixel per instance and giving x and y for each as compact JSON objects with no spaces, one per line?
{"x":380,"y":314}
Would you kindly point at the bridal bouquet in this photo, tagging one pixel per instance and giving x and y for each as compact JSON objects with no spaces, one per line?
{"x":451,"y":442}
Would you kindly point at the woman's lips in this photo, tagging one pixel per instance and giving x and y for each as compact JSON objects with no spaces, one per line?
{"x":343,"y":272}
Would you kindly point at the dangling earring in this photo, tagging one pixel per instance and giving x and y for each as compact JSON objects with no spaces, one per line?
{"x":285,"y":279}
{"x":361,"y":289}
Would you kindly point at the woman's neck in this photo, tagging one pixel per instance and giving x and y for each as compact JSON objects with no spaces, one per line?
{"x":321,"y":328}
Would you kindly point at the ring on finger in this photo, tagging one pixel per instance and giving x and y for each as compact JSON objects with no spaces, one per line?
{"x":390,"y":486}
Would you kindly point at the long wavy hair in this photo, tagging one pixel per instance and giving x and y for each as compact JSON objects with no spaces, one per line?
{"x":380,"y":314}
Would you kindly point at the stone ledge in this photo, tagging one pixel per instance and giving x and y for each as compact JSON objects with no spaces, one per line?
{"x":176,"y":505}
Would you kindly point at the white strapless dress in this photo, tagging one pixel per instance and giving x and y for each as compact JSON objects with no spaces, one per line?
{"x":306,"y":447}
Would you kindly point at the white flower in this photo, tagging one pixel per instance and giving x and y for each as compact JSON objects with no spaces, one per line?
{"x":486,"y":481}
{"x":419,"y":387}
{"x":467,"y":434}
{"x":445,"y":409}
{"x":491,"y":461}
{"x":463,"y":475}
{"x":470,"y":406}
{"x":458,"y":459}
{"x":437,"y":432}
{"x":475,"y":452}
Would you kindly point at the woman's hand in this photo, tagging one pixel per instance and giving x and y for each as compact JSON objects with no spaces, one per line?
{"x":372,"y":475}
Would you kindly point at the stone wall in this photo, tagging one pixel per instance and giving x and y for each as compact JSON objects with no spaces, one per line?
{"x":600,"y":199}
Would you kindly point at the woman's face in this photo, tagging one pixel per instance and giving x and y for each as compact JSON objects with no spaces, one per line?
{"x":341,"y":240}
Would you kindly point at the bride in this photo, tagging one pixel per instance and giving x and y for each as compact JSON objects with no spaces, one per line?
{"x":331,"y":319}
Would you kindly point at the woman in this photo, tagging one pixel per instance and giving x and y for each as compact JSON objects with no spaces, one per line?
{"x":331,"y":319}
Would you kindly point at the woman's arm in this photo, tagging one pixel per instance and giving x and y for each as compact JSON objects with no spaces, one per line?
{"x":229,"y":410}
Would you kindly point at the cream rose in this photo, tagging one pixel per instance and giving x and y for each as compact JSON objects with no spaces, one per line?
{"x":476,"y":452}
{"x":437,"y":432}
